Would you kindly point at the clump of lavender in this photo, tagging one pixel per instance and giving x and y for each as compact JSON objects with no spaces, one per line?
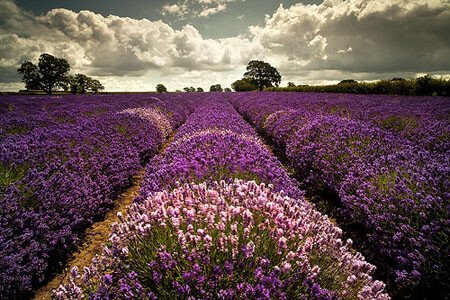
{"x":387,"y":158}
{"x":62,"y":162}
{"x":154,"y":116}
{"x":224,"y":241}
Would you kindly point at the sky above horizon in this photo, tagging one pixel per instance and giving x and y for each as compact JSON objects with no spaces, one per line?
{"x":134,"y":45}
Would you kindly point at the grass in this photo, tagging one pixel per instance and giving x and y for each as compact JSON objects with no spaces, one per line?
{"x":10,"y":174}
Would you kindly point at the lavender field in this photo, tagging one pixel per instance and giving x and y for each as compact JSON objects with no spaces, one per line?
{"x":232,"y":204}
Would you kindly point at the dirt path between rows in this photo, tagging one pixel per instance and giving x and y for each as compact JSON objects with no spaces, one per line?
{"x":96,"y":235}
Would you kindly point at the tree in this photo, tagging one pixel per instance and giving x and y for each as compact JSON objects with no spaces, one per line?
{"x":424,"y":85}
{"x":227,"y":90}
{"x":348,"y":81}
{"x":398,"y":79}
{"x":189,"y":89}
{"x":243,"y":85}
{"x":81,"y":84}
{"x":291,"y":84}
{"x":262,"y":74}
{"x":160,"y":88}
{"x":215,"y":88}
{"x":200,"y":90}
{"x":96,"y":86}
{"x":30,"y":76}
{"x":53,"y":71}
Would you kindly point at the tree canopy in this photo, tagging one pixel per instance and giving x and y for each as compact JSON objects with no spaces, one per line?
{"x":160,"y":88}
{"x":52,"y":73}
{"x":348,"y":81}
{"x":262,"y":74}
{"x":243,"y":85}
{"x":189,"y":89}
{"x":81,"y":84}
{"x":216,"y":88}
{"x":30,"y":76}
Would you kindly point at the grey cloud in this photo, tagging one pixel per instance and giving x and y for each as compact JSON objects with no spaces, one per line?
{"x":385,"y":36}
{"x":305,"y":43}
{"x":9,"y":74}
{"x":14,"y":50}
{"x":390,"y":41}
{"x":114,"y":46}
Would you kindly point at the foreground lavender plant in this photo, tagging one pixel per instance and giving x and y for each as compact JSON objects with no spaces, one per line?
{"x":224,"y":241}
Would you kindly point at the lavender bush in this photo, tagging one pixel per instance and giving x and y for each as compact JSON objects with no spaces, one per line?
{"x":63,"y":161}
{"x":388,"y":160}
{"x":224,"y":241}
{"x":216,"y":144}
{"x":227,"y":239}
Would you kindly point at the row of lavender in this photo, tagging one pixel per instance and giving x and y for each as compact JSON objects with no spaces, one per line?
{"x":63,"y":161}
{"x":388,"y":160}
{"x":219,"y":218}
{"x":420,"y":120}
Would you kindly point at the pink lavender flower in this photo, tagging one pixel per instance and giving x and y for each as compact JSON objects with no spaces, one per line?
{"x":213,"y":262}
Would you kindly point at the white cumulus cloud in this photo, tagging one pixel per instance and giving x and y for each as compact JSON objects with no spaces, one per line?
{"x":376,"y":36}
{"x":196,"y":8}
{"x":360,"y":39}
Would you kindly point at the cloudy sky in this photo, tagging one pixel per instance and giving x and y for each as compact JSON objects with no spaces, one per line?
{"x":134,"y":45}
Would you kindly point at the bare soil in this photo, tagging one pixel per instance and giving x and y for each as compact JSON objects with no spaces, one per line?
{"x":94,"y":237}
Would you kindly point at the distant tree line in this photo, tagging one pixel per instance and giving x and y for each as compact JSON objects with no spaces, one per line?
{"x":427,"y":85}
{"x":52,"y":73}
{"x":160,"y":88}
{"x":259,"y":75}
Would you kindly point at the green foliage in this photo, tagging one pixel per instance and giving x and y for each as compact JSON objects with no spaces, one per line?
{"x":262,"y":74}
{"x":81,"y":84}
{"x":227,"y":90}
{"x":10,"y":173}
{"x":200,"y":90}
{"x":160,"y":88}
{"x":399,"y":123}
{"x":122,"y":129}
{"x":145,"y":250}
{"x":291,"y":84}
{"x":92,"y":113}
{"x":30,"y":76}
{"x":96,"y":86}
{"x":216,"y":88}
{"x":51,"y":74}
{"x":423,"y":86}
{"x":243,"y":85}
{"x":15,"y":129}
{"x":348,"y":81}
{"x":189,"y":89}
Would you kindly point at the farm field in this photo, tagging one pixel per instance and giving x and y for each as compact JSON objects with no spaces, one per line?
{"x":63,"y":161}
{"x":386,"y":160}
{"x":221,"y":215}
